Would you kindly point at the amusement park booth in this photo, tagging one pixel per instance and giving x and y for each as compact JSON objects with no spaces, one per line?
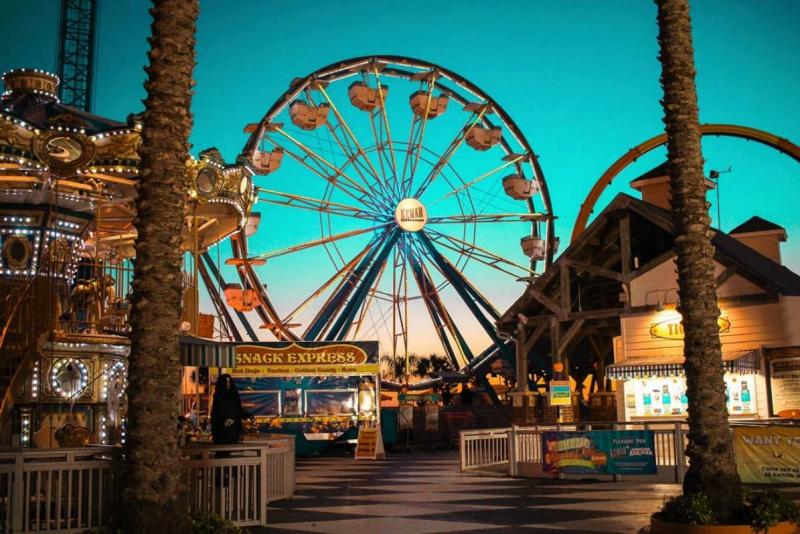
{"x":606,"y":309}
{"x":319,"y":392}
{"x":67,"y":208}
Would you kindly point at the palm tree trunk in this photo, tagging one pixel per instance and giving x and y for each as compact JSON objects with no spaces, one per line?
{"x":152,"y":485}
{"x":712,"y":469}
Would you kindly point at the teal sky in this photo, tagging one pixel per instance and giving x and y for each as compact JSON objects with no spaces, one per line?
{"x":580,"y":78}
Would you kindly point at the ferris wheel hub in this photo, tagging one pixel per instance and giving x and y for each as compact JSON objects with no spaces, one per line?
{"x":410,"y":215}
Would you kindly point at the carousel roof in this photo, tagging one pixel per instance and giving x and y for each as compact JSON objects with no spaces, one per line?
{"x":30,"y":97}
{"x":44,"y":112}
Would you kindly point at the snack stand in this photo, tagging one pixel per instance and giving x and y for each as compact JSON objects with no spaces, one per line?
{"x":317,"y":391}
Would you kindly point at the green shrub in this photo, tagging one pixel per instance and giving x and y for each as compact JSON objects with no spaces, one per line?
{"x":762,"y":510}
{"x":693,"y":509}
{"x":765,"y":509}
{"x":214,"y":524}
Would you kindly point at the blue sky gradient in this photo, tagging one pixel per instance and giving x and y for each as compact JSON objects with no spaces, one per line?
{"x":580,"y":78}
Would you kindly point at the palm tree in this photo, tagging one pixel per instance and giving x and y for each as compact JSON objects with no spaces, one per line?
{"x":152,"y":485}
{"x":712,"y":469}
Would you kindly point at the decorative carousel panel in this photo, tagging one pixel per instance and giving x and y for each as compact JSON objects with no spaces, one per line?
{"x":69,"y":378}
{"x":63,"y":151}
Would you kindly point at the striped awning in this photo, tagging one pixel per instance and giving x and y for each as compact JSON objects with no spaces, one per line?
{"x":199,"y":352}
{"x":741,"y":361}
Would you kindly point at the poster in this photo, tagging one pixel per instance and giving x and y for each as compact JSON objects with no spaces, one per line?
{"x":559,"y":393}
{"x":622,"y":452}
{"x":767,"y":454}
{"x":431,"y":417}
{"x":784,"y":381}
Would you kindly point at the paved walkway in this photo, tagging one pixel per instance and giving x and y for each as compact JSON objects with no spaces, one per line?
{"x":423,"y":492}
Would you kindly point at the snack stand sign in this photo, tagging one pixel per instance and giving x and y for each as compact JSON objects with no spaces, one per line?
{"x":605,"y":452}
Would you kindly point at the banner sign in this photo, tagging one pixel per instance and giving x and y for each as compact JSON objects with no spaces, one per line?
{"x":560,"y":394}
{"x":784,"y":384}
{"x":306,"y":359}
{"x":767,"y":454}
{"x":602,"y":452}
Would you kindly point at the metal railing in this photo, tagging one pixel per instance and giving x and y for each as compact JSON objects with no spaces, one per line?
{"x":75,"y":490}
{"x":58,"y":490}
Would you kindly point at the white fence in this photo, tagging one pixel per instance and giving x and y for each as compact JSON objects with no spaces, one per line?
{"x":519,"y":449}
{"x":57,"y":490}
{"x":481,"y":449}
{"x":75,"y":490}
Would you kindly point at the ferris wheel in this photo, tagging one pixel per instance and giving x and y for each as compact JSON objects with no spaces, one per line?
{"x":398,"y":202}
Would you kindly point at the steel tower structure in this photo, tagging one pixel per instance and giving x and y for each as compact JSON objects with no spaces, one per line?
{"x":76,"y":51}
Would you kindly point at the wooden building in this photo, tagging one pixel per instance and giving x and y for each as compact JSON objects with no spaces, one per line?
{"x":606,"y":310}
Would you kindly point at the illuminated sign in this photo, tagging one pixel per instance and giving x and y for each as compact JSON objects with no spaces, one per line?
{"x":673,"y":328}
{"x":296,"y":360}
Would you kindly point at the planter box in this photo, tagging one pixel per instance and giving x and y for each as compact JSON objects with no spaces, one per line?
{"x":663,"y":527}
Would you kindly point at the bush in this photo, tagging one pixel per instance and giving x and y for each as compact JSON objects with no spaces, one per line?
{"x":214,"y":524}
{"x":765,"y":509}
{"x":693,"y":509}
{"x":762,"y":510}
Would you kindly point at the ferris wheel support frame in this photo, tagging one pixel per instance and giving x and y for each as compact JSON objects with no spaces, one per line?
{"x":780,"y":144}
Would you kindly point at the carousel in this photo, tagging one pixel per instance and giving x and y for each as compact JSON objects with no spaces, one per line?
{"x":67,"y":190}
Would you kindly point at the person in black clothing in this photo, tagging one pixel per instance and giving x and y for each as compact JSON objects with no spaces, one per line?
{"x":227,"y":412}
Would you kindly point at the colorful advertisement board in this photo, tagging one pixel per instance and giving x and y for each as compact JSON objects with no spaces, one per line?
{"x":601,"y":452}
{"x":306,"y":359}
{"x":767,"y":454}
{"x":559,"y":393}
{"x":784,"y":384}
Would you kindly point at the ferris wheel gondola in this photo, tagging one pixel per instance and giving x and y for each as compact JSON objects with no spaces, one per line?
{"x":409,"y":224}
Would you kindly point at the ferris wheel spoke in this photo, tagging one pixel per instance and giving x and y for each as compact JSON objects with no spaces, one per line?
{"x":441,"y":320}
{"x":455,"y":144}
{"x":342,"y":273}
{"x":379,"y":146}
{"x":317,"y":242}
{"x":386,"y":121}
{"x":467,"y":185}
{"x":488,"y":218}
{"x":344,"y":321}
{"x":316,"y":204}
{"x":359,"y":194}
{"x":477,"y":253}
{"x":353,"y":158}
{"x":333,"y":304}
{"x":414,"y":149}
{"x":352,"y":136}
{"x":471,"y":297}
{"x":370,"y":297}
{"x":336,"y":170}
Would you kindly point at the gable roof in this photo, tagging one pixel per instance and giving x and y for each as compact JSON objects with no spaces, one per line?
{"x":655,"y":172}
{"x":756,"y":224}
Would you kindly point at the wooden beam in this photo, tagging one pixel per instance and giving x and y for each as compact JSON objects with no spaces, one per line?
{"x":533,"y":338}
{"x":725,"y":275}
{"x":625,"y":245}
{"x":566,"y":297}
{"x":547,"y":302}
{"x":569,"y":335}
{"x":655,"y":262}
{"x":555,"y":336}
{"x":594,"y":269}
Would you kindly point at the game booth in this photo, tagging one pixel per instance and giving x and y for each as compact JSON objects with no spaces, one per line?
{"x":318,"y":391}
